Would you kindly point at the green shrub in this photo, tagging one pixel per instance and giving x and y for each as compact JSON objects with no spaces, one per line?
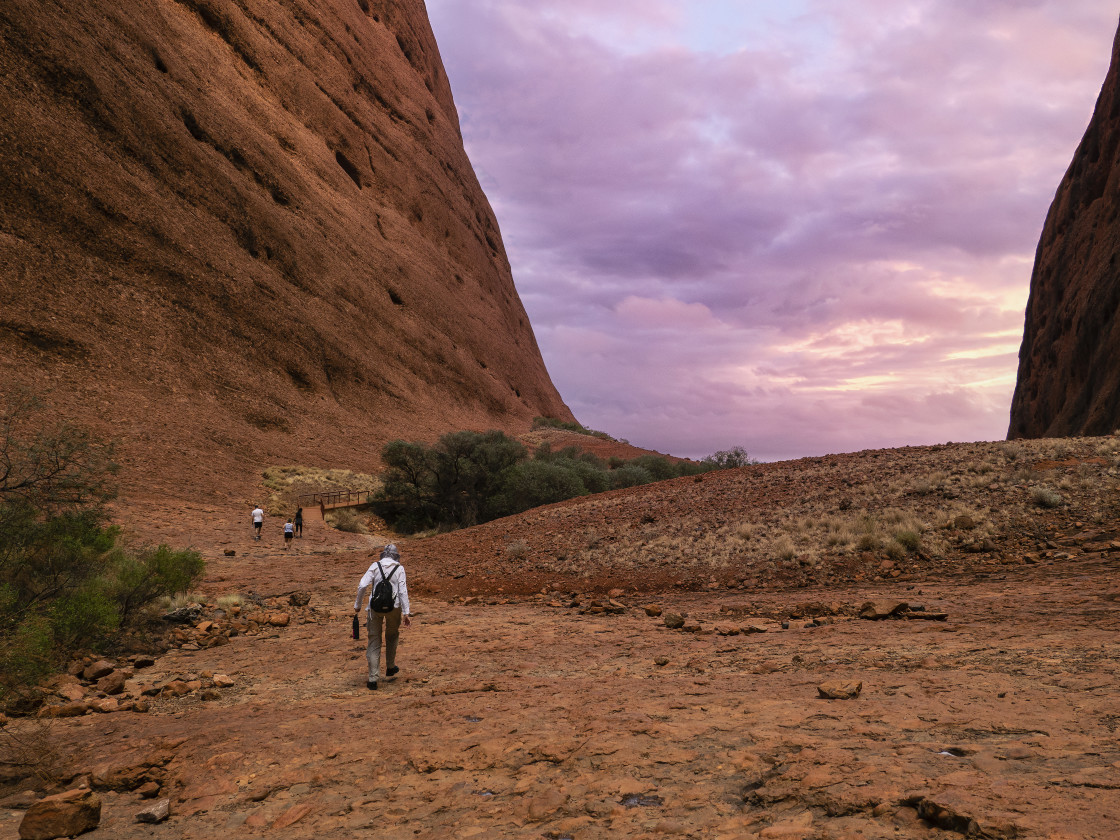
{"x":659,"y":467}
{"x":151,"y":574}
{"x":534,"y":483}
{"x":630,"y":476}
{"x":472,"y":477}
{"x":726,"y":459}
{"x":85,"y":616}
{"x":65,"y":583}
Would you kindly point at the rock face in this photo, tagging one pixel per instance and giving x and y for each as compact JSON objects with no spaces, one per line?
{"x":234,"y":230}
{"x":1069,"y":382}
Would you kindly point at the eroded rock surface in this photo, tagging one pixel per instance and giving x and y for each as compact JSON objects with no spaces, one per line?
{"x":1068,"y":382}
{"x":232,"y":231}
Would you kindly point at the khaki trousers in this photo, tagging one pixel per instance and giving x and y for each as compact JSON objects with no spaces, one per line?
{"x":391,"y":622}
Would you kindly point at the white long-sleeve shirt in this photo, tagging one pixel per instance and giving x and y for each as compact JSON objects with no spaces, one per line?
{"x":373,"y":576}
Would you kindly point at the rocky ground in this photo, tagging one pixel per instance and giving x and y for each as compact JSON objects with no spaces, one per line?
{"x":575,"y":712}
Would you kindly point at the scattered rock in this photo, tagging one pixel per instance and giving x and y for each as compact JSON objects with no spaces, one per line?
{"x":184,"y":615}
{"x":143,"y":662}
{"x":758,"y":628}
{"x":674,"y":621}
{"x":211,"y":694}
{"x":148,"y":790}
{"x":299,"y":599}
{"x":229,"y":552}
{"x":653,"y":610}
{"x":661,"y":661}
{"x":112,"y":683}
{"x":281,"y":619}
{"x":224,"y":681}
{"x":76,"y":708}
{"x":71,"y":692}
{"x":840,"y":689}
{"x":62,"y":815}
{"x":157,"y":812}
{"x":879,"y":610}
{"x":175,"y":688}
{"x":98,"y":669}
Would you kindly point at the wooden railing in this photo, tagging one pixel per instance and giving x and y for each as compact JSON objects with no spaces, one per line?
{"x":335,"y":498}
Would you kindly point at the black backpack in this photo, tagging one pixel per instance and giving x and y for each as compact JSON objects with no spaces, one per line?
{"x":382,"y":600}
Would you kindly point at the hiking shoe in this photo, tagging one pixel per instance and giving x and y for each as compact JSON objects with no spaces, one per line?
{"x":371,"y":685}
{"x":391,"y":673}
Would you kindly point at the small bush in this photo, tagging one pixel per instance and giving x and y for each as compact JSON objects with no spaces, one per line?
{"x":344,"y":519}
{"x":518,"y":549}
{"x":726,"y":459}
{"x":868,"y":542}
{"x":1046,"y":497}
{"x":783,"y":548}
{"x":909,"y":540}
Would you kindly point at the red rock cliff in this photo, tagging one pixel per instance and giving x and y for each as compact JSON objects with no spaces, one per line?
{"x":1069,"y":364}
{"x":236,"y":232}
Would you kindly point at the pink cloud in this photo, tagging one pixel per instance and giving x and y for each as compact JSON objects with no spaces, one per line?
{"x":673,"y":215}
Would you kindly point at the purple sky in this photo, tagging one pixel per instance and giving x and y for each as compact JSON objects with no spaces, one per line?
{"x":801,"y":227}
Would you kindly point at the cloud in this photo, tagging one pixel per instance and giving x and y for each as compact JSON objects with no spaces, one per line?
{"x":806,"y":231}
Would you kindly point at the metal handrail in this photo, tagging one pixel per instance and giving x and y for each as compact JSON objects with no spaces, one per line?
{"x":335,"y":498}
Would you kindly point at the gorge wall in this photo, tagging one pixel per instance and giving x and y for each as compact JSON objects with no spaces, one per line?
{"x":1069,"y":376}
{"x":237,"y":232}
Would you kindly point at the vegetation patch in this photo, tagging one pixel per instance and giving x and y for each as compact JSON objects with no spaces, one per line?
{"x":471,"y":477}
{"x":67,"y":583}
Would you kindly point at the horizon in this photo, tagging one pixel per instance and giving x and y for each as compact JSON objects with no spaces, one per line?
{"x":797,"y":229}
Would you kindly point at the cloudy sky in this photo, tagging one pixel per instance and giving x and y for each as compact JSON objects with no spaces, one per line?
{"x":798,"y":226}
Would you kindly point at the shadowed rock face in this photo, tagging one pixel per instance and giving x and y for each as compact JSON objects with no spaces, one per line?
{"x":245,"y":231}
{"x":1069,"y":379}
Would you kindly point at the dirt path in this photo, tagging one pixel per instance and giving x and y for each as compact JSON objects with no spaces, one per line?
{"x":523,"y":720}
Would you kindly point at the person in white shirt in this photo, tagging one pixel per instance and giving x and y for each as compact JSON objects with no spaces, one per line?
{"x":388,"y":567}
{"x":258,"y":521}
{"x":289,"y":532}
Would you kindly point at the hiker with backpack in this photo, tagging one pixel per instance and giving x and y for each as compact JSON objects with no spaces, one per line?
{"x":388,"y":608}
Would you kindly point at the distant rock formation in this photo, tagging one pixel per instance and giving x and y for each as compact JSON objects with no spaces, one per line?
{"x":233,"y":229}
{"x":1069,"y":363}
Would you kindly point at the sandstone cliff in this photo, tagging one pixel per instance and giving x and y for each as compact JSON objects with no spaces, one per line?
{"x":1069,"y":379}
{"x":236,"y":232}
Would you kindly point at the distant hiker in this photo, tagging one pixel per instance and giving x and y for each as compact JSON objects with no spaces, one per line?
{"x":387,"y":606}
{"x":258,"y":521}
{"x":289,"y":532}
{"x":299,"y":523}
